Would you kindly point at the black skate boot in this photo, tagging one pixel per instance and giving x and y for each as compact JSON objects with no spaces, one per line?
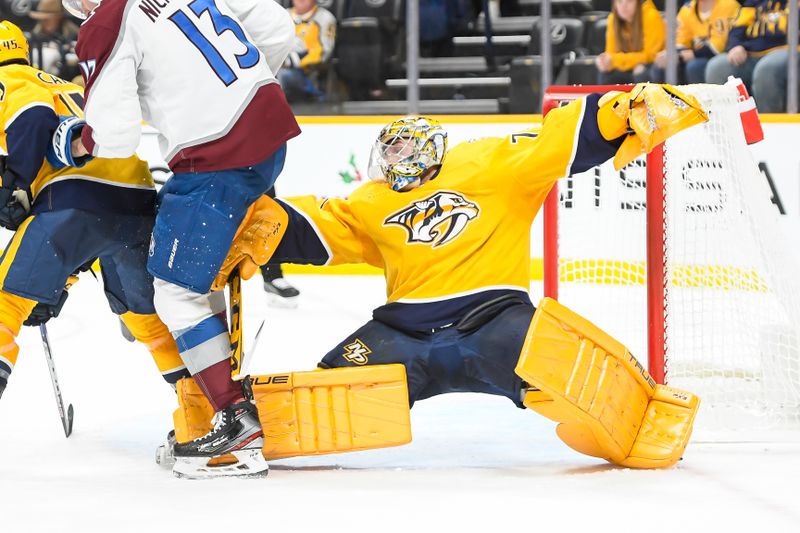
{"x":281,"y":293}
{"x":237,"y":431}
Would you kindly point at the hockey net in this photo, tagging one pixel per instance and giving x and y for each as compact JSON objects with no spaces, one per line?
{"x":682,"y":257}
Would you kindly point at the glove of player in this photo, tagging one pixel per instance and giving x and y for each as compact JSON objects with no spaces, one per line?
{"x":44,"y":312}
{"x":59,"y":153}
{"x":3,"y":383}
{"x":14,"y":207}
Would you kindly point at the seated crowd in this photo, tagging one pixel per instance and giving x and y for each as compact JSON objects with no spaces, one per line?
{"x":714,"y":38}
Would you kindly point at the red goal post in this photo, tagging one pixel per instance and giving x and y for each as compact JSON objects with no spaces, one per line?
{"x":682,"y":255}
{"x":557,"y":96}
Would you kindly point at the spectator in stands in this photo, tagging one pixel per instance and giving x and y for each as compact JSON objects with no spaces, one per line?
{"x":701,"y":34}
{"x":635,"y":34}
{"x":315,"y":29}
{"x":439,"y":21}
{"x":757,"y":53}
{"x":53,"y":40}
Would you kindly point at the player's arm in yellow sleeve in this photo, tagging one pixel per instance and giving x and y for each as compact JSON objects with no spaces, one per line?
{"x":592,"y":130}
{"x":324,"y":232}
{"x":28,"y":123}
{"x":301,"y":230}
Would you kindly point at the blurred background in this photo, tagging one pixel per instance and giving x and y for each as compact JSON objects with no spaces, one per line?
{"x":362,"y":57}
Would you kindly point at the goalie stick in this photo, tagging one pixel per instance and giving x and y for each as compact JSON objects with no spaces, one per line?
{"x":239,"y":358}
{"x":66,"y":416}
{"x":235,"y":306}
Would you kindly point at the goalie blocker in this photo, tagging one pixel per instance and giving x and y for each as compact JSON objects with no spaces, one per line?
{"x":606,"y":403}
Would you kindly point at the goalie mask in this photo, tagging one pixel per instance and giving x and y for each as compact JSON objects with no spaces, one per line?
{"x":405,"y":150}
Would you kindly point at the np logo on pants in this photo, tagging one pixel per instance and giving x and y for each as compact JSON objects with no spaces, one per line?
{"x":356,"y":352}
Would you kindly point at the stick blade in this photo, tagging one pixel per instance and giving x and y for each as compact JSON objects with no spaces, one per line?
{"x":68,"y":421}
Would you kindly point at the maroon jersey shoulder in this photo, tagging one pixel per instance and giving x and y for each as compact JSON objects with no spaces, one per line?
{"x":98,"y":36}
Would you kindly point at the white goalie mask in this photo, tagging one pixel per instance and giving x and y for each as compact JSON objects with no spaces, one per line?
{"x":405,"y":149}
{"x":80,"y":8}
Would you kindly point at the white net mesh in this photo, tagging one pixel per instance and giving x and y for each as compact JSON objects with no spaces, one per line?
{"x":732,"y":291}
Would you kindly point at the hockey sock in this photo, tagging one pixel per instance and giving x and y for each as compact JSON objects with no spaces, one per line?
{"x":216,"y":383}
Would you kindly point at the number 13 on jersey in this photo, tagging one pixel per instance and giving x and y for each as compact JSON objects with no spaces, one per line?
{"x":221,"y":23}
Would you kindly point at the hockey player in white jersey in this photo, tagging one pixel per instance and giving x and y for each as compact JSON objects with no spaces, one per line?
{"x":202,"y":72}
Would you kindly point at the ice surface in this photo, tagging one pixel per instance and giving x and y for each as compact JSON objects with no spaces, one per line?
{"x":476,"y":464}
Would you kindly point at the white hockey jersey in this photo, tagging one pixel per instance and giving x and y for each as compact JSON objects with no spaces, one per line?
{"x":202,"y":72}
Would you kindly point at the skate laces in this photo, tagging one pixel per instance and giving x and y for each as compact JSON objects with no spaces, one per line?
{"x":219,"y":420}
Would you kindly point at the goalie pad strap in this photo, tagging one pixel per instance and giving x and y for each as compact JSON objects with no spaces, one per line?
{"x":317,"y":412}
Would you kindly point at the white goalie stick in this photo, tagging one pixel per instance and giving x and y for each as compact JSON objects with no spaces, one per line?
{"x":66,"y":416}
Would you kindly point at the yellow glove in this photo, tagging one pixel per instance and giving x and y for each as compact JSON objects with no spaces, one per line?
{"x":649,"y":114}
{"x":256,"y":239}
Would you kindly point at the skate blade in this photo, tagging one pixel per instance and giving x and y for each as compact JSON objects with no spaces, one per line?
{"x":250,"y":464}
{"x":164,"y":457}
{"x":279,"y":302}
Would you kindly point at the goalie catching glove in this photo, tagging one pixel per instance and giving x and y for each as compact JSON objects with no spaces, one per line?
{"x":256,"y":239}
{"x":648,"y":115}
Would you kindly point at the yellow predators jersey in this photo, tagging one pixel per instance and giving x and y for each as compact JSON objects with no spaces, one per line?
{"x":30,"y":103}
{"x":706,"y":36}
{"x":460,"y":239}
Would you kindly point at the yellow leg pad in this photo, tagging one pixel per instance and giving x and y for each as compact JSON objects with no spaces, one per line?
{"x":193,"y":416}
{"x":332,"y":411}
{"x":316,"y":413}
{"x":607,"y":404}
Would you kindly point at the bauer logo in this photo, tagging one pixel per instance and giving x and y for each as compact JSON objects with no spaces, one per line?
{"x":275,"y":379}
{"x":436,"y":220}
{"x":356,"y":352}
{"x":171,"y":260}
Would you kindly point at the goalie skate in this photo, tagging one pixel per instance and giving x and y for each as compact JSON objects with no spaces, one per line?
{"x":237,"y":431}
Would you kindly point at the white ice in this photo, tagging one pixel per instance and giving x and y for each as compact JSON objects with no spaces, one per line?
{"x":476,"y":464}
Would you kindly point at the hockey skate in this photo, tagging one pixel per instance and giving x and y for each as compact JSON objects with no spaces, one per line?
{"x":280,"y":293}
{"x":236,"y":432}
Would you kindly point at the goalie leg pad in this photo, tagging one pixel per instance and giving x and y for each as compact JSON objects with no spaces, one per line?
{"x":317,"y":412}
{"x":607,"y":404}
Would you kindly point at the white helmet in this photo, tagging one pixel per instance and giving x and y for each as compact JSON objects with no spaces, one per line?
{"x":405,"y":149}
{"x":76,"y":7}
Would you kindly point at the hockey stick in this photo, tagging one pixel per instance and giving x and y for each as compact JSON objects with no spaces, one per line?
{"x":66,"y":420}
{"x":251,"y":351}
{"x":235,"y":306}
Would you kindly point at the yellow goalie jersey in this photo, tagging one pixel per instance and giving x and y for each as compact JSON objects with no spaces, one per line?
{"x":460,"y":239}
{"x":30,"y":103}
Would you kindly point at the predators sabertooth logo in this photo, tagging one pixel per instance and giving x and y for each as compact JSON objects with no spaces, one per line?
{"x":356,"y":352}
{"x":436,"y":220}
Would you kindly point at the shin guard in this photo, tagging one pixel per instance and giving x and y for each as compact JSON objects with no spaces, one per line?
{"x":151,"y":331}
